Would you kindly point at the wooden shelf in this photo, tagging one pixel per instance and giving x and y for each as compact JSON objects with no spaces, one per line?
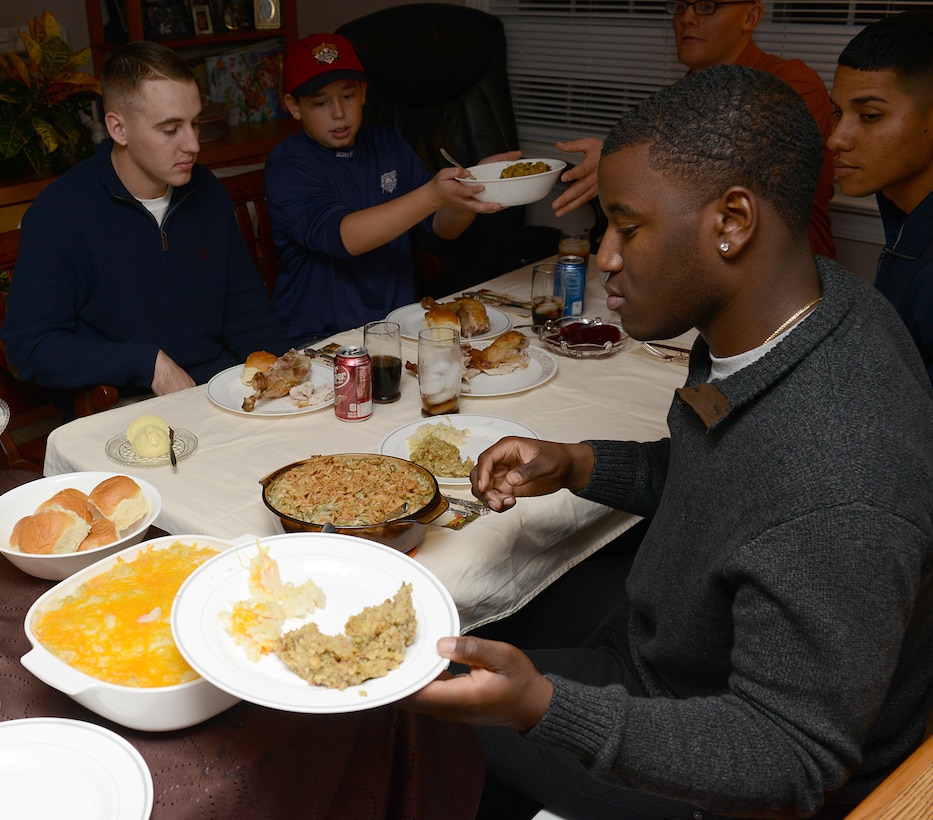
{"x":246,"y":144}
{"x":208,"y":43}
{"x":240,"y":145}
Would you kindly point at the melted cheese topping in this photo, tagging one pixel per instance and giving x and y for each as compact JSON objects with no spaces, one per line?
{"x":115,"y":627}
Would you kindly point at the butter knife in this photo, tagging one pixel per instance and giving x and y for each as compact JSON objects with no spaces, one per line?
{"x":171,"y":449}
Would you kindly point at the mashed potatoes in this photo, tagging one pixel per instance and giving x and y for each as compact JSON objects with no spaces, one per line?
{"x":148,"y":436}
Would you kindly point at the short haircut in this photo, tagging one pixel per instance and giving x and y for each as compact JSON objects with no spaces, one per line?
{"x":126,"y":70}
{"x":729,"y":125}
{"x":902,"y":43}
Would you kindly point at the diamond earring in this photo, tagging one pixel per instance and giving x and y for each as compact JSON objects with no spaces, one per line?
{"x":724,"y":246}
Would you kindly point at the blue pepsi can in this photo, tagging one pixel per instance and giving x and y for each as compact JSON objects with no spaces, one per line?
{"x":571,"y":272}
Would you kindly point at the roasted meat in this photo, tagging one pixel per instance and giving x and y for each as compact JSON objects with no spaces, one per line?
{"x":288,"y":371}
{"x":504,"y":355}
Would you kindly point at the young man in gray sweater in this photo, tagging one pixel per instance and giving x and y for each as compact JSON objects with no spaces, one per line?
{"x":770,"y":653}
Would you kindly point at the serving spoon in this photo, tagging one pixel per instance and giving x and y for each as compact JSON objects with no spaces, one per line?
{"x":454,"y":162}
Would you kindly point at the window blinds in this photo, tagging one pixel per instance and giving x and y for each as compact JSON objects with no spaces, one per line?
{"x":576,"y":65}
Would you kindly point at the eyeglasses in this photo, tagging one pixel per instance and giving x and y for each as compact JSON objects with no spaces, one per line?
{"x":701,"y":8}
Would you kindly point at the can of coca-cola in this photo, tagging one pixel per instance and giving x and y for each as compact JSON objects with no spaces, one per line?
{"x":353,"y":384}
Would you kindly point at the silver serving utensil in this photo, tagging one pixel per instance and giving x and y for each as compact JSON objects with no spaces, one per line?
{"x":454,"y":162}
{"x":171,"y":449}
{"x":669,"y":354}
{"x":328,"y":527}
{"x":398,"y":512}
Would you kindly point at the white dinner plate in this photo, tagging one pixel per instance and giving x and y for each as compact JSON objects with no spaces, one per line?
{"x":227,"y":391}
{"x":53,"y":768}
{"x":410,"y":319}
{"x":542,"y":366}
{"x":353,"y":573}
{"x":484,"y":432}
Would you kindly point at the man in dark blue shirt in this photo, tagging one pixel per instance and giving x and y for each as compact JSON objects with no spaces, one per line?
{"x":883,"y":145}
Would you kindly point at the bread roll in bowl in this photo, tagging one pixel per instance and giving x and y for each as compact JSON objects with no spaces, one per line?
{"x":68,"y":499}
{"x":49,"y":532}
{"x":102,"y":532}
{"x":120,"y":500}
{"x":258,"y":361}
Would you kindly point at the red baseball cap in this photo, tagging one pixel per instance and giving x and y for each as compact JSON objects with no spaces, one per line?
{"x":320,"y":59}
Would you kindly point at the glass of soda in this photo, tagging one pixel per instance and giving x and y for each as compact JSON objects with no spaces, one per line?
{"x":547,"y":296}
{"x":383,"y":340}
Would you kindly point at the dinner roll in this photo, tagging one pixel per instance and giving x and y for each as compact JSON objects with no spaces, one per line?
{"x":49,"y":532}
{"x":102,"y":532}
{"x":438,"y":316}
{"x":119,"y":499}
{"x":68,"y":499}
{"x":258,"y":361}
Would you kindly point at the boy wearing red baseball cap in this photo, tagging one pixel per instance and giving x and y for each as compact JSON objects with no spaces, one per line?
{"x":342,"y":198}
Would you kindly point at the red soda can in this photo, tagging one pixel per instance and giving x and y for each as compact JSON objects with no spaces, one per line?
{"x":353,"y":384}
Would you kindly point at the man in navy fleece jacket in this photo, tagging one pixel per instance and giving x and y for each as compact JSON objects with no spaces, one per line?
{"x":132,"y":270}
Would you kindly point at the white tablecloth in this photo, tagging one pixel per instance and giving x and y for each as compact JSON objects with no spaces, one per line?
{"x":492,"y":566}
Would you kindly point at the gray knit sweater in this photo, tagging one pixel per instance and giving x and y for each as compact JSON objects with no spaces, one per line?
{"x":782,"y":599}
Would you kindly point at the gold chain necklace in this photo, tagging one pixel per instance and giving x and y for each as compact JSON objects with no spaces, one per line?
{"x":794,"y":318}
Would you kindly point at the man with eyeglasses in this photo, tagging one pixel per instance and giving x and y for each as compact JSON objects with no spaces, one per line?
{"x":719,"y":32}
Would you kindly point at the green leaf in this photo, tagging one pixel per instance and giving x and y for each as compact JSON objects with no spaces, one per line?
{"x":80,"y":58}
{"x":56,"y":55}
{"x":13,"y":138}
{"x":65,"y":122}
{"x":36,"y":156}
{"x":47,"y":132}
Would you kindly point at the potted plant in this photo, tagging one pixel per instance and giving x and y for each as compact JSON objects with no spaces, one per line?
{"x":45,"y":102}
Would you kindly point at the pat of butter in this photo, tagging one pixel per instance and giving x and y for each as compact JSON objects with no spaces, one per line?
{"x":148,"y":436}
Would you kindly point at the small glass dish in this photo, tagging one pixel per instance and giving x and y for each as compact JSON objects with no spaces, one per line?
{"x":119,"y":450}
{"x":582,"y":337}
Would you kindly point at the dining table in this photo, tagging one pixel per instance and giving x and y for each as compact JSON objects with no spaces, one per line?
{"x":493,"y":565}
{"x":249,"y":760}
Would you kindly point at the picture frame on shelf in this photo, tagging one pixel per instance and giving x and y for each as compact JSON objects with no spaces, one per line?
{"x":234,"y":17}
{"x":267,"y":14}
{"x":164,"y":20}
{"x":201,"y":15}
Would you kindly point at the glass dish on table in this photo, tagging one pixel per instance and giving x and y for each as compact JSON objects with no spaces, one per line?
{"x":581,"y":337}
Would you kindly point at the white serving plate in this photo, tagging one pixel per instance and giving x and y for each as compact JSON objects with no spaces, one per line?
{"x":53,"y":768}
{"x":353,"y":573}
{"x":410,"y":319}
{"x":227,"y":391}
{"x":542,"y":367}
{"x":484,"y":432}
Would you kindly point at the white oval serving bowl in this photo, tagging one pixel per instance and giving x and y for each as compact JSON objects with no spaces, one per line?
{"x":149,"y":709}
{"x":514,"y":190}
{"x":23,"y":500}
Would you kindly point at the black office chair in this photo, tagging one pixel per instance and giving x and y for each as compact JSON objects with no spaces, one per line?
{"x":439,"y":74}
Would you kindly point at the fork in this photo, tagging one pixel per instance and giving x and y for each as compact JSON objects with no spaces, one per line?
{"x":677,"y":355}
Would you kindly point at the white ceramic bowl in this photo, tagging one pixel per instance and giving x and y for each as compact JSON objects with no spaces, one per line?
{"x":150,"y":709}
{"x":23,"y":500}
{"x":514,"y":190}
